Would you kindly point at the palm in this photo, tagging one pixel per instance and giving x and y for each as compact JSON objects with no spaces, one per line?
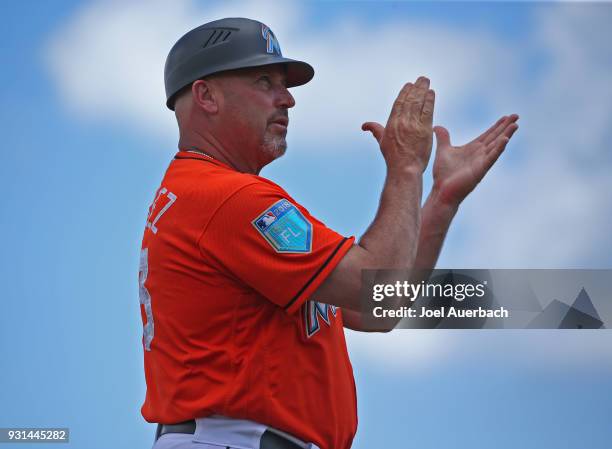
{"x":457,"y":170}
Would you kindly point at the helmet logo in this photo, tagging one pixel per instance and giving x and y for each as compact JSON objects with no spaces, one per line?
{"x":272,"y":45}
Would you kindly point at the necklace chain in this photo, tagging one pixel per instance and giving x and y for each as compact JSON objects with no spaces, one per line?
{"x":196,"y":151}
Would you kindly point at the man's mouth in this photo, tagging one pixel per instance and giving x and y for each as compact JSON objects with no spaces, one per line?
{"x":281,"y":121}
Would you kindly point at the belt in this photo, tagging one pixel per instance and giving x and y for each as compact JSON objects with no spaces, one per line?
{"x":269,"y":440}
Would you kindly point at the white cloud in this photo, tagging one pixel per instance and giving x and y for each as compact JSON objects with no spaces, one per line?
{"x":108,"y":64}
{"x":361,"y":68}
{"x":549,"y":207}
{"x":430,"y":350}
{"x":108,"y":59}
{"x":403,"y":349}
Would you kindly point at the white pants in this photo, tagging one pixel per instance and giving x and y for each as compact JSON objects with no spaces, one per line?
{"x":218,"y":432}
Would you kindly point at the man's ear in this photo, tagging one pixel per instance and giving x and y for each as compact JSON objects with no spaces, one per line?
{"x":205,"y":95}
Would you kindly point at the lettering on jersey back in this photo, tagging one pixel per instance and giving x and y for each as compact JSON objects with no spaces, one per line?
{"x":163,"y":200}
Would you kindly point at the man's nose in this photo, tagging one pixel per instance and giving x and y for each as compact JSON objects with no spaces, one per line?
{"x":285,"y":99}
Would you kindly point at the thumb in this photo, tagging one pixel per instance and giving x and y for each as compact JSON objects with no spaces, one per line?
{"x":442,"y":136}
{"x":375,"y":128}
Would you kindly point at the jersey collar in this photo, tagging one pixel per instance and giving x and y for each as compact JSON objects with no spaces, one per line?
{"x":184,"y":154}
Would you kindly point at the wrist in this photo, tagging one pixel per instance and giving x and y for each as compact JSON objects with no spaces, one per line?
{"x":406,"y":172}
{"x":441,"y":201}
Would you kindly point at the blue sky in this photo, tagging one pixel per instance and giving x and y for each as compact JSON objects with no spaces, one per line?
{"x":87,"y":139}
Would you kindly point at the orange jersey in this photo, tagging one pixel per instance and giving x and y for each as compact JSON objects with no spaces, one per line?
{"x":228,"y":263}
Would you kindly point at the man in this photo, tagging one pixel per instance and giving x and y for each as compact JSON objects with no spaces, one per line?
{"x":244,"y":294}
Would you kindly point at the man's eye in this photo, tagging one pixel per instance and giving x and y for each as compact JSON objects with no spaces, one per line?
{"x":265,"y":81}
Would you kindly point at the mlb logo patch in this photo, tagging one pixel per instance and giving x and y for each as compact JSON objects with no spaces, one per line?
{"x":285,"y":228}
{"x":266,"y":220}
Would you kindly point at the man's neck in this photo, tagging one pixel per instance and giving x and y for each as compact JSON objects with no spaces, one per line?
{"x":207,"y":144}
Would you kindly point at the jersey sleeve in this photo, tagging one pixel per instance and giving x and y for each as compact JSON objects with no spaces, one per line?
{"x":264,"y":238}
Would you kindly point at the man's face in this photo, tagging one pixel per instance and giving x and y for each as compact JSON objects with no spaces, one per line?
{"x":255,"y":110}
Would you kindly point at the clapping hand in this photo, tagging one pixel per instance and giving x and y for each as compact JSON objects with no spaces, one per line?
{"x":457,"y":170}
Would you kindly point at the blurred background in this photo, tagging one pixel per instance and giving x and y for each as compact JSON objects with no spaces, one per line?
{"x":86,"y":139}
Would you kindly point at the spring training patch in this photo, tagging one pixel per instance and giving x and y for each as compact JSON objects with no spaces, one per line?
{"x":285,"y":228}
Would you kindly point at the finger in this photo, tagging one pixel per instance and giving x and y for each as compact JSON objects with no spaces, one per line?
{"x":500,"y":128}
{"x":510,"y":130}
{"x":442,"y":136}
{"x":416,"y":98}
{"x":492,"y":156}
{"x":490,"y":130}
{"x":495,"y":130}
{"x":375,"y":128}
{"x":428,"y":107}
{"x":398,"y":104}
{"x":422,"y":85}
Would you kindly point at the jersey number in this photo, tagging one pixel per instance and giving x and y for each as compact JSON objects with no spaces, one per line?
{"x":148,"y":330}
